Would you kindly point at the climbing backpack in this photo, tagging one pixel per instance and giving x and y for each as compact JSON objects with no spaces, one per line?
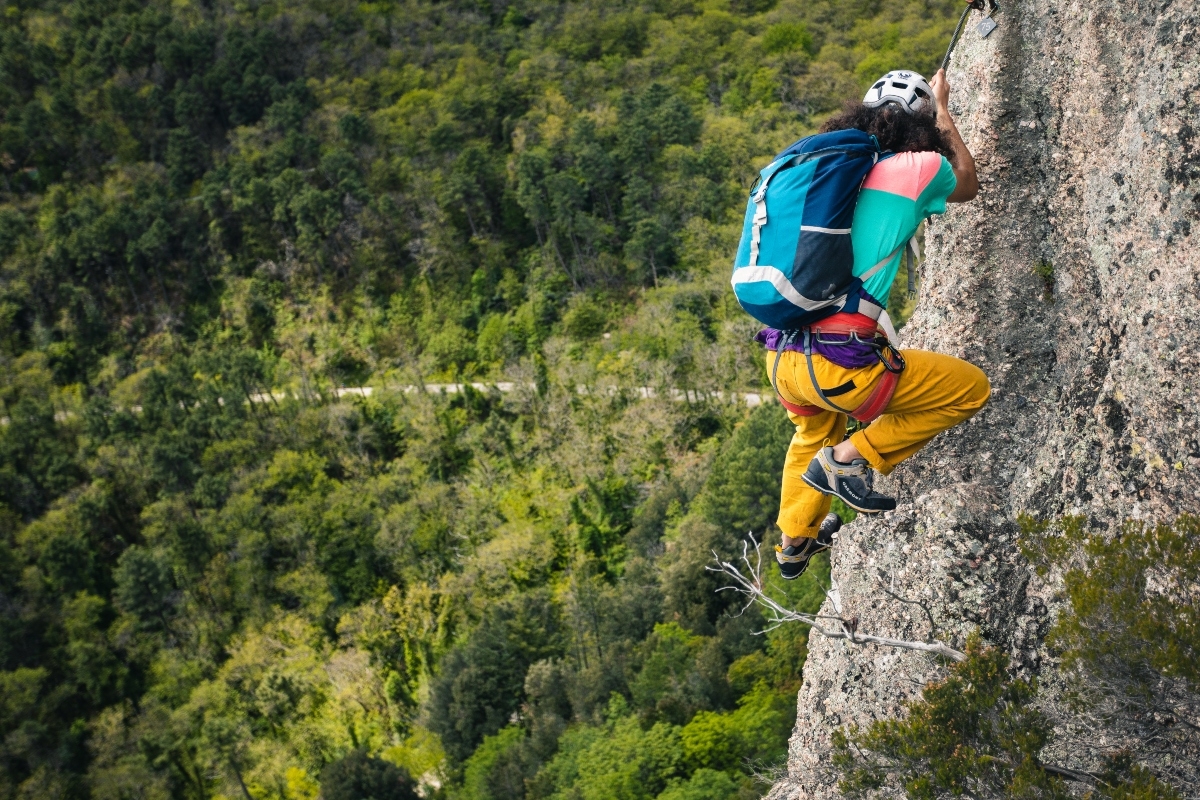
{"x":794,"y":264}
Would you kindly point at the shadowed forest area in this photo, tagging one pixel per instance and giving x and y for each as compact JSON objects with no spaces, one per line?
{"x":502,"y":597}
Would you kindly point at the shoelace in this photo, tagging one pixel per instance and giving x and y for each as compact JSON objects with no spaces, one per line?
{"x":861,"y":471}
{"x":868,"y":478}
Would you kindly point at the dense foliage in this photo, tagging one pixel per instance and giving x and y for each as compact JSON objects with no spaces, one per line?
{"x":220,"y":576}
{"x":358,"y":776}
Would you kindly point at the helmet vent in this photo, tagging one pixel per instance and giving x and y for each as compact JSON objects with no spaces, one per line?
{"x":903,"y":88}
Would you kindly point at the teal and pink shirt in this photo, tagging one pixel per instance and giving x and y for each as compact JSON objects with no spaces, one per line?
{"x":897,"y":194}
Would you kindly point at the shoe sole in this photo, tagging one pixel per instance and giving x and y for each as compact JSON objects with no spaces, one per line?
{"x":807,"y":562}
{"x":831,"y":493}
{"x":793,"y":577}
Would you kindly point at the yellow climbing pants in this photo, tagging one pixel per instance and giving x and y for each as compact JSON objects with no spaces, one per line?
{"x":935,"y":393}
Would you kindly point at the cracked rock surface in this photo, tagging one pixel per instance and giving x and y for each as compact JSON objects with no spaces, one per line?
{"x":1073,"y":281}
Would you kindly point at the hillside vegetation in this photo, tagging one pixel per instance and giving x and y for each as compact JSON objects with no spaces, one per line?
{"x":501,"y":595}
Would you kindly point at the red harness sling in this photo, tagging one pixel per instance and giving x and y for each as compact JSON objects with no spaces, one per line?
{"x":862,"y":327}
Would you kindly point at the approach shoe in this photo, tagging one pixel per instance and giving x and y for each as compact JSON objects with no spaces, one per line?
{"x":852,"y":482}
{"x":793,"y":559}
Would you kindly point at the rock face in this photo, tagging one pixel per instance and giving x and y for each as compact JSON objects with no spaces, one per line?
{"x":1073,"y":280}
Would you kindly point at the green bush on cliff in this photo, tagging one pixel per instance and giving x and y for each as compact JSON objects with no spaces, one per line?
{"x":974,"y":732}
{"x":1131,"y":641}
{"x":1128,"y":640}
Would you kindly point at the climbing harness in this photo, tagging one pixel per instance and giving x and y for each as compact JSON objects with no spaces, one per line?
{"x":985,"y":27}
{"x":854,"y":330}
{"x":874,"y":405}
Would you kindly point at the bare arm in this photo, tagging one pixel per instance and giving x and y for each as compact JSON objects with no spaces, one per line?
{"x":963,"y":162}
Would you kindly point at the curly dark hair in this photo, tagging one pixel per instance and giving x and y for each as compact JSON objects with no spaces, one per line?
{"x":896,"y":129}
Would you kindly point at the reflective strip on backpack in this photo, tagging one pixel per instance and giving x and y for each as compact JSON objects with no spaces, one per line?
{"x":816,"y":229}
{"x":760,"y":219}
{"x":782,"y":284}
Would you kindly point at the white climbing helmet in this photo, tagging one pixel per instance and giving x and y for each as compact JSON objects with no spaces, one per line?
{"x":906,"y":89}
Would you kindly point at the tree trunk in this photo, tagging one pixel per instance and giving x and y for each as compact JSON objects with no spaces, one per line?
{"x":1072,"y":281}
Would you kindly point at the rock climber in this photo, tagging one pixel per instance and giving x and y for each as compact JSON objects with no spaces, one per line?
{"x":931,"y":167}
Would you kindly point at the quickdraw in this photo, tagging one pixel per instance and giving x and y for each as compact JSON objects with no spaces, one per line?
{"x":991,"y":6}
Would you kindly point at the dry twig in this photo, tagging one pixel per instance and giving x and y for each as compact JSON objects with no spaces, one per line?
{"x":750,"y":584}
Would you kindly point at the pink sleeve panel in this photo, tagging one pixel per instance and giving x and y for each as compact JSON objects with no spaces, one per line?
{"x":905,"y":174}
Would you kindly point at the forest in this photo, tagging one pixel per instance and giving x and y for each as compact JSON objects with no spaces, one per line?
{"x":223,"y":578}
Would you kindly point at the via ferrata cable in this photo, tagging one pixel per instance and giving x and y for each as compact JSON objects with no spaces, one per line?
{"x":977,"y":5}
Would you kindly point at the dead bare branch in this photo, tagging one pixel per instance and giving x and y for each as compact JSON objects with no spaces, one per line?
{"x":750,"y":584}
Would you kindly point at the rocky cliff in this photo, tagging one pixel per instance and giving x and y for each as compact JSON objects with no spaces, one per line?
{"x":1073,"y":281}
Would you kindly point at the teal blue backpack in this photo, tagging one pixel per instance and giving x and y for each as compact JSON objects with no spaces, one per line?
{"x":794,"y":264}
